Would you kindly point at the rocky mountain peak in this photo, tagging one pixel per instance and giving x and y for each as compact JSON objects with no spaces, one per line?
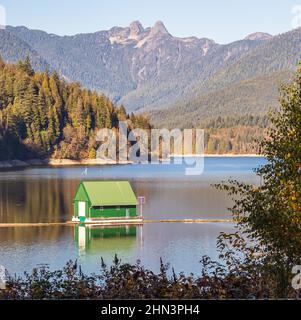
{"x":259,"y":36}
{"x":136,"y":28}
{"x":158,"y":28}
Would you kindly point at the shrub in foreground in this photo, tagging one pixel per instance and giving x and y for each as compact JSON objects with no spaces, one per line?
{"x":124,"y":281}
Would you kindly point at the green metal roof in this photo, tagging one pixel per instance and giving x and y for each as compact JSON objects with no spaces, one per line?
{"x":110,"y":193}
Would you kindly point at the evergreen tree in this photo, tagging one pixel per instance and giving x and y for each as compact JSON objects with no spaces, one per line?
{"x":41,"y":115}
{"x":26,"y":66}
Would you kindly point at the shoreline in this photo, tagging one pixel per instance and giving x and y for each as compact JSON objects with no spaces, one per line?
{"x":225,"y":155}
{"x":15,"y":163}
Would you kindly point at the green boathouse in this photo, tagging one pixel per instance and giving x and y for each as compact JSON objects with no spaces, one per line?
{"x":102,"y":200}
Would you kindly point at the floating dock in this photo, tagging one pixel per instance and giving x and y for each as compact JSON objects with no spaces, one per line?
{"x":110,"y":221}
{"x":73,"y":223}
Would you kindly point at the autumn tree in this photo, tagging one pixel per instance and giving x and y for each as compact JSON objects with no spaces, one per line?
{"x":269,"y":215}
{"x":43,"y":116}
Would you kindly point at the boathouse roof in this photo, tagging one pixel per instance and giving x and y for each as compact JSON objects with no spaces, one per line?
{"x":106,"y":193}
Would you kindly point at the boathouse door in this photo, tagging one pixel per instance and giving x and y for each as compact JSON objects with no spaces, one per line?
{"x":82,"y":209}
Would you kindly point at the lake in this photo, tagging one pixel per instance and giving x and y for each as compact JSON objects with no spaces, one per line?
{"x":45,"y":194}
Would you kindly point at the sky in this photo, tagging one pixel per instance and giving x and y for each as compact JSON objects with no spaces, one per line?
{"x":221,"y":20}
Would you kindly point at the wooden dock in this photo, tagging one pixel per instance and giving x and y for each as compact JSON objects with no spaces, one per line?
{"x":70,"y":223}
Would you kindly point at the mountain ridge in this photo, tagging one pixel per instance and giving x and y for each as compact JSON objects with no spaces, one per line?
{"x":148,"y":68}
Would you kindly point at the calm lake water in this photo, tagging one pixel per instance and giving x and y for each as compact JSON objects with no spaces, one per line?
{"x":45,"y":195}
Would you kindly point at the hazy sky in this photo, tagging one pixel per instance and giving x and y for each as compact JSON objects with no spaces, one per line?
{"x":222,"y":20}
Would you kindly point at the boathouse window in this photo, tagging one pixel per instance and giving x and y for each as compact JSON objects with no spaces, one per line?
{"x":98,"y":208}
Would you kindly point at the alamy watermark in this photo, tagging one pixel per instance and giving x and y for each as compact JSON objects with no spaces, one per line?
{"x":2,"y":17}
{"x":296,"y":281}
{"x":2,"y":277}
{"x":153,"y":146}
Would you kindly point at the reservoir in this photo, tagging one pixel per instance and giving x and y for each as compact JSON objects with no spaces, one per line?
{"x":45,"y":194}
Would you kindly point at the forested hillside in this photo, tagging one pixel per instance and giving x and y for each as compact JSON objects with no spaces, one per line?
{"x":235,"y":135}
{"x":252,"y":96}
{"x":42,"y":115}
{"x":148,"y":68}
{"x":13,"y":49}
{"x":180,"y":81}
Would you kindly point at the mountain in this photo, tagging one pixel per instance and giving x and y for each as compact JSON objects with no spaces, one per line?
{"x":140,"y":67}
{"x":13,"y":48}
{"x":259,"y":36}
{"x":120,"y":61}
{"x":148,"y":69}
{"x":247,"y":86}
{"x":253,"y":96}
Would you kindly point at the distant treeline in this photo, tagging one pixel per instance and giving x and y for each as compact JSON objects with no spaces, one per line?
{"x":236,"y":140}
{"x":249,"y":120}
{"x":234,"y":134}
{"x":42,"y":115}
{"x":229,"y":134}
{"x":237,"y":135}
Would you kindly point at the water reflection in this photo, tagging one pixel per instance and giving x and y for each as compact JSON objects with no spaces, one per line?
{"x":104,"y":239}
{"x":50,"y":200}
{"x":46,"y":194}
{"x":38,"y":200}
